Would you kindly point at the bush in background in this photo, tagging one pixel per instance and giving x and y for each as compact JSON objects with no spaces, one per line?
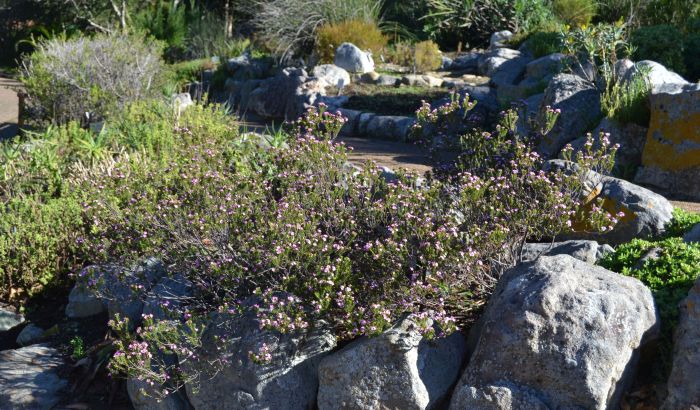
{"x":472,"y":22}
{"x":288,"y":27}
{"x":663,"y":44}
{"x":364,"y":34}
{"x":574,"y":12}
{"x":421,"y":57}
{"x":628,"y":101}
{"x":69,"y":79}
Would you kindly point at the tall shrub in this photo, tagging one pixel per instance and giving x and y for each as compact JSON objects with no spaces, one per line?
{"x":364,"y":34}
{"x":94,"y":77}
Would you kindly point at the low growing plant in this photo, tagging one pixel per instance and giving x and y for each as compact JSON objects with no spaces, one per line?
{"x":292,"y":227}
{"x":683,"y":221}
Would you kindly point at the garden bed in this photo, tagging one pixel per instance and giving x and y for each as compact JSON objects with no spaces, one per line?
{"x":382,"y":100}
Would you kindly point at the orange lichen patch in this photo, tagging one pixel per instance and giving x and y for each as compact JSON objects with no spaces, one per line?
{"x":610,"y":205}
{"x":673,"y":139}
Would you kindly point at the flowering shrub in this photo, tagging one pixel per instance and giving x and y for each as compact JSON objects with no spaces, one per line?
{"x":309,"y":239}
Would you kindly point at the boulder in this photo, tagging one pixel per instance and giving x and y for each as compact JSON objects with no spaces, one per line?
{"x":693,"y":235}
{"x":332,"y":75}
{"x":287,"y":95}
{"x":500,"y":39}
{"x":671,"y":156}
{"x":350,"y":128}
{"x":558,"y":333}
{"x":351,"y":58}
{"x":467,"y":62}
{"x":388,"y":127}
{"x":228,"y":377}
{"x":398,"y":369}
{"x":509,"y":72}
{"x":29,"y":335}
{"x":446,"y":63}
{"x":586,"y":251}
{"x":417,"y":80}
{"x":579,"y":102}
{"x":491,"y":61}
{"x":684,"y":381}
{"x":9,"y":319}
{"x":370,"y":78}
{"x":245,"y":67}
{"x":168,"y":294}
{"x":83,"y":302}
{"x":387,"y":80}
{"x":30,"y":378}
{"x":646,"y":213}
{"x":631,"y":138}
{"x":659,"y":77}
{"x":181,"y":101}
{"x":546,"y":66}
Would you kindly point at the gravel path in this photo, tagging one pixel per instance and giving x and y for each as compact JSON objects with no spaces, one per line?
{"x":9,"y":108}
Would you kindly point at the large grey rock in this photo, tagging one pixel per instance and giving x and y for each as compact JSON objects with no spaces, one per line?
{"x":9,"y":319}
{"x":491,"y":61}
{"x":658,"y":76}
{"x":684,"y":381}
{"x":545,"y":66}
{"x":467,"y":62}
{"x":166,"y":296}
{"x":387,"y":80}
{"x":332,"y":75}
{"x":288,"y":381}
{"x":29,"y":335}
{"x":631,"y":138}
{"x":83,"y":302}
{"x":245,"y":67}
{"x":646,"y":213}
{"x":350,"y":128}
{"x":287,"y":95}
{"x":579,"y":102}
{"x":398,"y":369}
{"x":583,"y":250}
{"x":558,"y":333}
{"x":509,"y":72}
{"x":693,"y":235}
{"x":29,"y":378}
{"x":500,"y":39}
{"x":351,"y":58}
{"x":418,"y":80}
{"x":388,"y":127}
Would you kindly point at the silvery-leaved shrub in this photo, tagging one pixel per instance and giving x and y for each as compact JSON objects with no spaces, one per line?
{"x":88,"y":78}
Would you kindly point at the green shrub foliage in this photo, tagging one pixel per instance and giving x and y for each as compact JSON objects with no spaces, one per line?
{"x":65,"y":79}
{"x":682,"y":222}
{"x":663,"y":44}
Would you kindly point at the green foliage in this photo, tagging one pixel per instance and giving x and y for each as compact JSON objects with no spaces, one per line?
{"x":78,"y":347}
{"x":426,"y":56}
{"x":543,"y":43}
{"x":389,"y":100}
{"x":669,"y":276}
{"x":663,"y":44}
{"x":186,"y":72}
{"x":421,"y":57}
{"x":38,"y":244}
{"x":364,"y":34}
{"x":628,"y":101}
{"x":163,"y":20}
{"x":692,"y":57}
{"x":65,"y":79}
{"x":42,"y":224}
{"x":682,"y":222}
{"x":472,"y":22}
{"x":288,"y":27}
{"x":574,"y":12}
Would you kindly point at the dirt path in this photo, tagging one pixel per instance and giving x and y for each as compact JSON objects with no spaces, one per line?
{"x":9,"y":108}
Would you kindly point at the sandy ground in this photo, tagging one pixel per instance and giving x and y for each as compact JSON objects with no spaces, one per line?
{"x":9,"y":108}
